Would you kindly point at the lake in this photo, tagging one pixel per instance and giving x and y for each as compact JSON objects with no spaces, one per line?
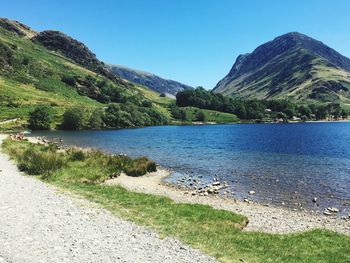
{"x":283,"y":163}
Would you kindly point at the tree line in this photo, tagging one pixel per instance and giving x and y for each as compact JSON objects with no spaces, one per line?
{"x":112,"y":116}
{"x":259,"y":109}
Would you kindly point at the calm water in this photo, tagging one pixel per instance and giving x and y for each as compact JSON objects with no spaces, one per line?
{"x":290,"y":163}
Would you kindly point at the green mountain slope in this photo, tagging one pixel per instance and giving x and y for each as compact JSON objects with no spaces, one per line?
{"x":291,"y":66}
{"x":54,"y":69}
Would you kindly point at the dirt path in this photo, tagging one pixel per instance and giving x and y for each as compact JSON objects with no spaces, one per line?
{"x":40,"y":224}
{"x":261,"y":218}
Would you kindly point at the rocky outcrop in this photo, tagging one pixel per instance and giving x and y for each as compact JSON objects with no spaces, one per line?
{"x":16,"y":27}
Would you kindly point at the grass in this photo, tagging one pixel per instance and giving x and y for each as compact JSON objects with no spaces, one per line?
{"x":211,"y":115}
{"x":216,"y":232}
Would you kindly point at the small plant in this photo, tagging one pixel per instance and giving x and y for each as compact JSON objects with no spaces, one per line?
{"x":200,"y":116}
{"x":77,"y":155}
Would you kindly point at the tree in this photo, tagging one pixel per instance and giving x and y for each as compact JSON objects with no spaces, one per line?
{"x":335,"y":110}
{"x":200,"y":116}
{"x":321,"y":112}
{"x":74,"y":119}
{"x":178,"y":113}
{"x":95,"y":121}
{"x":41,"y":118}
{"x":344,"y":113}
{"x":305,"y":110}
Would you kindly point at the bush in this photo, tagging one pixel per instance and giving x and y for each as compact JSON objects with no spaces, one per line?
{"x":6,"y":55}
{"x":69,"y":80}
{"x":25,"y":61}
{"x":146,"y":104}
{"x":76,"y":155}
{"x":41,"y":118}
{"x":140,"y":166}
{"x":74,"y":119}
{"x":200,"y":116}
{"x":95,"y":121}
{"x":151,"y":167}
{"x":178,"y":113}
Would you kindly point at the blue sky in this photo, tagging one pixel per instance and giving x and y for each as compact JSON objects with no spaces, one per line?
{"x":191,"y":41}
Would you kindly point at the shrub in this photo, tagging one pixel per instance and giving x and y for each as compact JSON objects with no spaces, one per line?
{"x":76,"y":155}
{"x":140,"y":166}
{"x":151,"y":167}
{"x":95,"y":121}
{"x":69,"y":80}
{"x":74,"y":119}
{"x":136,"y":171}
{"x":146,"y":104}
{"x":200,"y":116}
{"x":41,"y":118}
{"x":6,"y":55}
{"x":25,"y":61}
{"x":178,"y":113}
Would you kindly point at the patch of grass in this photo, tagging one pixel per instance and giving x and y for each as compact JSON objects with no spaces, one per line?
{"x":216,"y":232}
{"x":140,"y":166}
{"x":210,"y":115}
{"x":74,"y":165}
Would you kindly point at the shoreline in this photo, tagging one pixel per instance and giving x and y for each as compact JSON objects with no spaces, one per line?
{"x":268,"y":219}
{"x":262,"y":218}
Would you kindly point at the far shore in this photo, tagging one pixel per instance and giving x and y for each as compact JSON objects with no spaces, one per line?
{"x":194,"y":123}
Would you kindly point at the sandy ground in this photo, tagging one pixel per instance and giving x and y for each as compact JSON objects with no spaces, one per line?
{"x":40,"y":224}
{"x":261,"y":218}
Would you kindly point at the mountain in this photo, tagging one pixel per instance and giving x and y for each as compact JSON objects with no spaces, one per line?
{"x":149,"y":80}
{"x":291,"y":66}
{"x":54,"y":69}
{"x":73,"y":49}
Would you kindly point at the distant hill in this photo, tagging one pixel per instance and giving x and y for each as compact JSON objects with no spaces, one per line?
{"x":290,"y":66}
{"x":149,"y":80}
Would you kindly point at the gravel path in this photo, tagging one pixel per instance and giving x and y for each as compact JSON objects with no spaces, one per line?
{"x":39,"y":224}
